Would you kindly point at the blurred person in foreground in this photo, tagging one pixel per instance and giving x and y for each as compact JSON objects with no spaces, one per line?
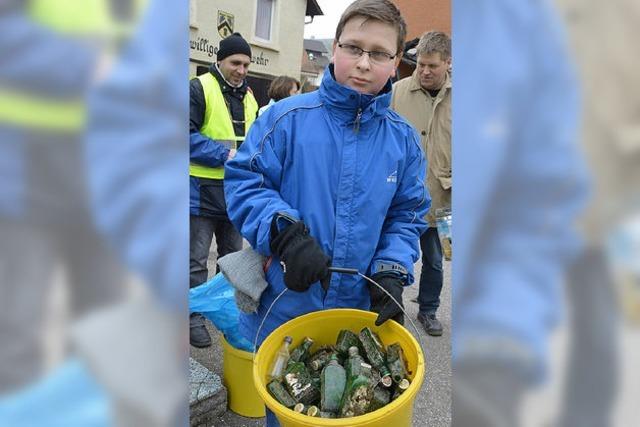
{"x":134,"y":140}
{"x":424,"y":98}
{"x":137,"y":146}
{"x":334,"y":177}
{"x":281,"y":87}
{"x":51,"y":54}
{"x":521,"y":183}
{"x":222,"y":109}
{"x":611,"y":140}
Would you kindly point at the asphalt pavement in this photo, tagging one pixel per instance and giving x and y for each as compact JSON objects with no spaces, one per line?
{"x":432,"y":406}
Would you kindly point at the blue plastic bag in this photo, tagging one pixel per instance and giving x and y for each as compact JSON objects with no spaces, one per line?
{"x":68,"y":397}
{"x":216,"y":301}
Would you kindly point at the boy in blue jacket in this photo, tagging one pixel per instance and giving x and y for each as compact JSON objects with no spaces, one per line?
{"x":334,"y":178}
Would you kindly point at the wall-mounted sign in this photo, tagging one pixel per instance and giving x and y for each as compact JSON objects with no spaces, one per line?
{"x":225,"y":24}
{"x":202,"y":46}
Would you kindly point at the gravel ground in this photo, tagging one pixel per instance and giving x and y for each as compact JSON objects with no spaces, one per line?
{"x":433,"y":403}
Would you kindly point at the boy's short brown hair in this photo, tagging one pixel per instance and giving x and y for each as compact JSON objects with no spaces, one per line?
{"x":280,"y":87}
{"x":378,"y":10}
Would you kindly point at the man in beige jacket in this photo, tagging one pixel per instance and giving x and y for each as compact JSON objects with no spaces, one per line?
{"x":424,"y":99}
{"x":609,"y":66}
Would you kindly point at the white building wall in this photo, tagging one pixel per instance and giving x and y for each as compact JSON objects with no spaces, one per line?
{"x":279,"y":56}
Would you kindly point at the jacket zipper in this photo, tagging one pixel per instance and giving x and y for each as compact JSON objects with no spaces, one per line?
{"x":356,"y":123}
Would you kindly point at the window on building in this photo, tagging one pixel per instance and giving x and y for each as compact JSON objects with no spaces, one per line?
{"x":264,"y":17}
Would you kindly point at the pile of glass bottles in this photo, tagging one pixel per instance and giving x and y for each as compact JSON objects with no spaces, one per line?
{"x":355,"y":376}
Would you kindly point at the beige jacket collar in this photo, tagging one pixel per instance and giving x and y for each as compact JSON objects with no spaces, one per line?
{"x":415,"y":83}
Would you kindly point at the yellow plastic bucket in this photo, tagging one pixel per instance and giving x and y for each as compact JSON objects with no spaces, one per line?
{"x":323,"y":327}
{"x":242,"y":396}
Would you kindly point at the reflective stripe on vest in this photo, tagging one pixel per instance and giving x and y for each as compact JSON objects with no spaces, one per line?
{"x":86,"y":17}
{"x":76,"y":18}
{"x":16,"y":108}
{"x":217,"y":122}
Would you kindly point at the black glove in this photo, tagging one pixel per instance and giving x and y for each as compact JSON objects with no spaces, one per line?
{"x":302,"y":259}
{"x":381,"y":303}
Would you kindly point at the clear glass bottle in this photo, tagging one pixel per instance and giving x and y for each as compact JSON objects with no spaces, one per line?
{"x":281,"y":359}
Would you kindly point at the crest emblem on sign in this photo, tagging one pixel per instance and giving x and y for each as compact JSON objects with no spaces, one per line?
{"x":225,"y":24}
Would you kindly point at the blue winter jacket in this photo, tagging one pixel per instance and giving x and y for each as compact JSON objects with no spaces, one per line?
{"x":352,"y":170}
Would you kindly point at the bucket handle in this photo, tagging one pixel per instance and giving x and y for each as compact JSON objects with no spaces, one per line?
{"x":345,"y":271}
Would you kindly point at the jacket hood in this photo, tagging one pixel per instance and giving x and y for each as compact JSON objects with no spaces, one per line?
{"x":345,"y":102}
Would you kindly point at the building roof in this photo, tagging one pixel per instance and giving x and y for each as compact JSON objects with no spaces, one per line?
{"x":313,"y":8}
{"x":314,"y":46}
{"x":328,"y":44}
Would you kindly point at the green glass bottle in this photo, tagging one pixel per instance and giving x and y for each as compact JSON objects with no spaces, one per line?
{"x":403,"y":385}
{"x":375,"y":354}
{"x":355,"y":364}
{"x":396,"y":362}
{"x":333,"y":381}
{"x":297,"y":380}
{"x":381,"y":397}
{"x":300,"y":408}
{"x":301,"y":352}
{"x":313,"y":411}
{"x":279,"y":393}
{"x":315,"y":380}
{"x":346,"y":339}
{"x":400,"y":388}
{"x":320,"y":358}
{"x":357,"y":397}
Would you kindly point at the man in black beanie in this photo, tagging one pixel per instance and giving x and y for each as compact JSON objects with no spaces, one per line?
{"x":222,"y":108}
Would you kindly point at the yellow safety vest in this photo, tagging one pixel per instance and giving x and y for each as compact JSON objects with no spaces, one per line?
{"x":77,"y":18}
{"x":217,"y":122}
{"x":86,"y":17}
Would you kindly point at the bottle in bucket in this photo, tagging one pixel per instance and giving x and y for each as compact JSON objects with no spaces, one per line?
{"x":297,"y":380}
{"x":381,"y":397}
{"x":277,"y":390}
{"x":301,"y":352}
{"x":333,"y":381}
{"x":355,"y":364}
{"x":443,"y":222}
{"x":403,"y":385}
{"x":357,"y":397}
{"x":346,"y":339}
{"x":281,"y":359}
{"x":396,"y":362}
{"x":320,"y":358}
{"x":375,"y":353}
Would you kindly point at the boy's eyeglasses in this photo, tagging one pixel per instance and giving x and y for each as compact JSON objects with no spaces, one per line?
{"x":374,"y":56}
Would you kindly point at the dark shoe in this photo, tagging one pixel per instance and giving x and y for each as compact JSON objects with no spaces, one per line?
{"x":431,"y":324}
{"x":198,"y":334}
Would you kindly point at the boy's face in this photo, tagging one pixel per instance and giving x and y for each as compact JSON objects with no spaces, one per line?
{"x":367,"y":73}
